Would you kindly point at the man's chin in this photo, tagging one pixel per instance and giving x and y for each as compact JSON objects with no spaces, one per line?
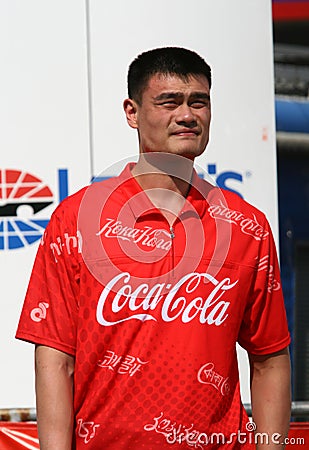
{"x":189,"y":152}
{"x":180,"y":150}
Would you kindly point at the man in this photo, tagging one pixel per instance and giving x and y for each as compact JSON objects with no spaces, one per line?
{"x":144,"y":283}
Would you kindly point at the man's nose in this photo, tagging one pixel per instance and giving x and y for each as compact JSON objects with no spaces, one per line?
{"x":185,"y":115}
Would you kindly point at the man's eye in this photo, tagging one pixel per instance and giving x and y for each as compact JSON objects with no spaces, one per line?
{"x":200,"y":104}
{"x":169,"y":103}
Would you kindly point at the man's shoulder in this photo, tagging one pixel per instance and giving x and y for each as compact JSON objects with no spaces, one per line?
{"x":239,"y":219}
{"x":71,"y":202}
{"x":238,"y":202}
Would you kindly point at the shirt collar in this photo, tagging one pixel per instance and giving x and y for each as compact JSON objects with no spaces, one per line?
{"x":141,"y":205}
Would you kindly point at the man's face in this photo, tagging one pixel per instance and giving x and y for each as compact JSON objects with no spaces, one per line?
{"x":174,"y":115}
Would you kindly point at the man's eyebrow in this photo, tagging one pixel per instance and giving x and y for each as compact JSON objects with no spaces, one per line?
{"x":167,"y":95}
{"x":200,"y":95}
{"x":175,"y":95}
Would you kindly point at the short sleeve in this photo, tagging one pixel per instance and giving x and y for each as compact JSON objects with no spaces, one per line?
{"x":264,"y":327}
{"x":50,"y":310}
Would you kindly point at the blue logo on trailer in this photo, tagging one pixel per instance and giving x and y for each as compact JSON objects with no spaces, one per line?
{"x":22,"y":196}
{"x":223,"y":178}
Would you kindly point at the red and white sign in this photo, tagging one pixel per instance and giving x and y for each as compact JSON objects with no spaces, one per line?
{"x":18,"y":436}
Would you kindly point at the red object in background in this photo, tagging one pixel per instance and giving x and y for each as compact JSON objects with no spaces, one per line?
{"x":298,"y":436}
{"x":18,"y":436}
{"x":290,"y":11}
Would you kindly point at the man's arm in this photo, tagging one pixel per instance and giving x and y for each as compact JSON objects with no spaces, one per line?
{"x":271,"y":396}
{"x":54,"y":398}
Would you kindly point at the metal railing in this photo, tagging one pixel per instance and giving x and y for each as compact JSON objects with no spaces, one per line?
{"x":298,"y":409}
{"x":18,"y":415}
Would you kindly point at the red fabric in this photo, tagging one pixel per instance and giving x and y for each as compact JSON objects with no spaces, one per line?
{"x":153,"y":314}
{"x":18,"y":436}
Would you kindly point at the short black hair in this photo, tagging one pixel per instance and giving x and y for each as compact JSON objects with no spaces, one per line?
{"x":167,"y":61}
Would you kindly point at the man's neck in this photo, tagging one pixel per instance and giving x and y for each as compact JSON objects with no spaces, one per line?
{"x":166,"y":180}
{"x":165,"y":171}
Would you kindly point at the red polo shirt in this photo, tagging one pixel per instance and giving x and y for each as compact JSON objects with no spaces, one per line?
{"x":152,"y":313}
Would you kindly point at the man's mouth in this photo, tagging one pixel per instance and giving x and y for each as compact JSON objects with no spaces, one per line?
{"x":185,"y":132}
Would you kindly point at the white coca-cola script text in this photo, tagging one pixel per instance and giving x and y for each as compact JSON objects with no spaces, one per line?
{"x":195,"y":295}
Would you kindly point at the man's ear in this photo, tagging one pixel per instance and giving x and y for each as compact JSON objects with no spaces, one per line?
{"x":130,"y":109}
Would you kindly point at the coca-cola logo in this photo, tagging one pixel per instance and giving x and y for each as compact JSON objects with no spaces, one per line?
{"x":175,"y":432}
{"x":86,"y":430}
{"x":145,"y":236}
{"x":208,"y":375}
{"x":248,"y":225}
{"x":121,"y":364}
{"x":185,"y":300}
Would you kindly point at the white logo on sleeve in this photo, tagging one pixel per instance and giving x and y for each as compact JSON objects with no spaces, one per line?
{"x":264,"y":265}
{"x":39,"y":313}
